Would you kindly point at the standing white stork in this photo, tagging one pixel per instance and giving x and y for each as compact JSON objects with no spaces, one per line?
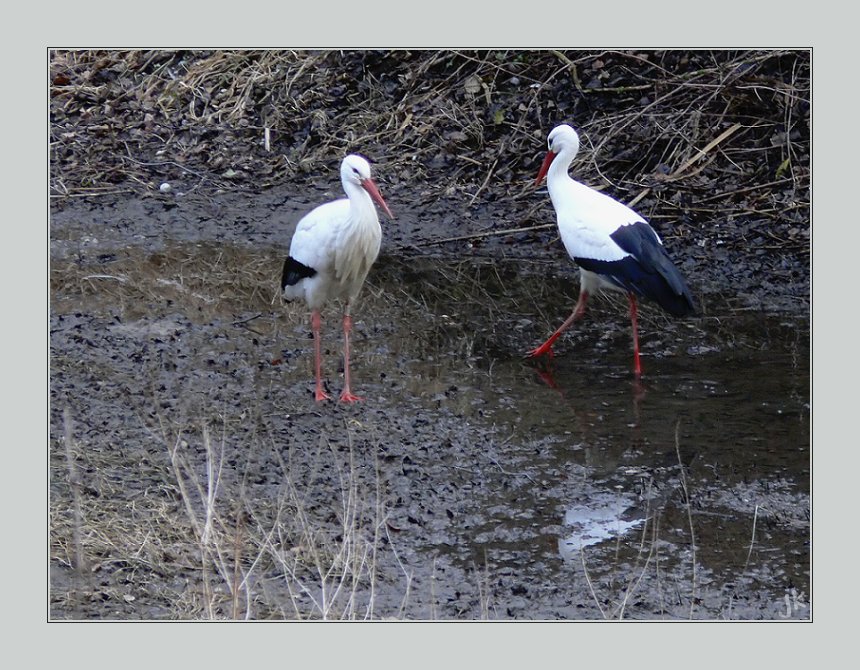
{"x":331,"y":253}
{"x":614,"y":247}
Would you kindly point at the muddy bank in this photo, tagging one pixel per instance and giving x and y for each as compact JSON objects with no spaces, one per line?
{"x":722,"y":270}
{"x":713,"y":147}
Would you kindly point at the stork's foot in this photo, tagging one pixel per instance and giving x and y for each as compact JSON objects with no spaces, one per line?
{"x":321,"y":395}
{"x":348,"y":397}
{"x":543,"y":350}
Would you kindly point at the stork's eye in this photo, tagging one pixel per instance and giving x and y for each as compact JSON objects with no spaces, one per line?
{"x":355,"y":170}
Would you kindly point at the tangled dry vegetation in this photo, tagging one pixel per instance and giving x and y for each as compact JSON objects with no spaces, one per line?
{"x":690,"y":134}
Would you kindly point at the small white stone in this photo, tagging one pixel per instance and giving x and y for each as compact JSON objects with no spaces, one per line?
{"x":165,"y":187}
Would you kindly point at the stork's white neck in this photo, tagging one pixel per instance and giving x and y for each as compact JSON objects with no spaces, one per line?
{"x":558,"y":181}
{"x":361,"y":206}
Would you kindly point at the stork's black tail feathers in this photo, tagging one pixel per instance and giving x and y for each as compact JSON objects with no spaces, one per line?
{"x":294,"y":272}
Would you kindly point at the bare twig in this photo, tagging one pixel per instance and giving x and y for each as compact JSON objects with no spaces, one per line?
{"x":689,"y":506}
{"x":75,"y":486}
{"x":752,"y":539}
{"x":489,"y":233}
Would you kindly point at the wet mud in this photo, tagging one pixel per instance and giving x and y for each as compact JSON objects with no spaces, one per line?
{"x":193,"y":475}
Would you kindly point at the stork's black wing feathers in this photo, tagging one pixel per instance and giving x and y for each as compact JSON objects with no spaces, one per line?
{"x":294,"y":272}
{"x":647,"y":272}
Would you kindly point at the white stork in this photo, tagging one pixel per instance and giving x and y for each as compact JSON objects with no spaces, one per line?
{"x":331,"y":253}
{"x":614,"y":247}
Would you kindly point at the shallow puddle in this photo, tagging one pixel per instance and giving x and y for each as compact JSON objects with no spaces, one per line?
{"x":481,"y":484}
{"x":724,"y":395}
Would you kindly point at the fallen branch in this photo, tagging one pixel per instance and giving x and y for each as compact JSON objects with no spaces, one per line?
{"x":491,"y":233}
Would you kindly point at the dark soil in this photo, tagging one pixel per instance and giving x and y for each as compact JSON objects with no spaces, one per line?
{"x":450,"y":491}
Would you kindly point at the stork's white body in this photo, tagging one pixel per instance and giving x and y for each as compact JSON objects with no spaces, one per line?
{"x":340,"y":240}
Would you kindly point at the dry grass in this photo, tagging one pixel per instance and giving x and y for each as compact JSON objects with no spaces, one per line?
{"x":470,"y":122}
{"x":191,"y":548}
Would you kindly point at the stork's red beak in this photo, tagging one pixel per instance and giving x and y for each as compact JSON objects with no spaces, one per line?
{"x":544,"y":167}
{"x":370,"y":187}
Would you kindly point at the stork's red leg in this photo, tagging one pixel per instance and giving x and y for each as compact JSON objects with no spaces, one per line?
{"x":315,"y":327}
{"x":637,"y":367}
{"x":346,"y":395}
{"x":578,"y":311}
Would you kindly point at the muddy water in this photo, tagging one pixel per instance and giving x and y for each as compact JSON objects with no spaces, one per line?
{"x":737,"y":423}
{"x":702,"y":466}
{"x":472,"y":482}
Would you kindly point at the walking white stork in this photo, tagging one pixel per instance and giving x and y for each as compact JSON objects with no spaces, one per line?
{"x":331,"y":253}
{"x":614,"y":247}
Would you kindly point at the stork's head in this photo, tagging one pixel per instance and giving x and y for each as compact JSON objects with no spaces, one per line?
{"x":355,"y":169}
{"x":562,"y":138}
